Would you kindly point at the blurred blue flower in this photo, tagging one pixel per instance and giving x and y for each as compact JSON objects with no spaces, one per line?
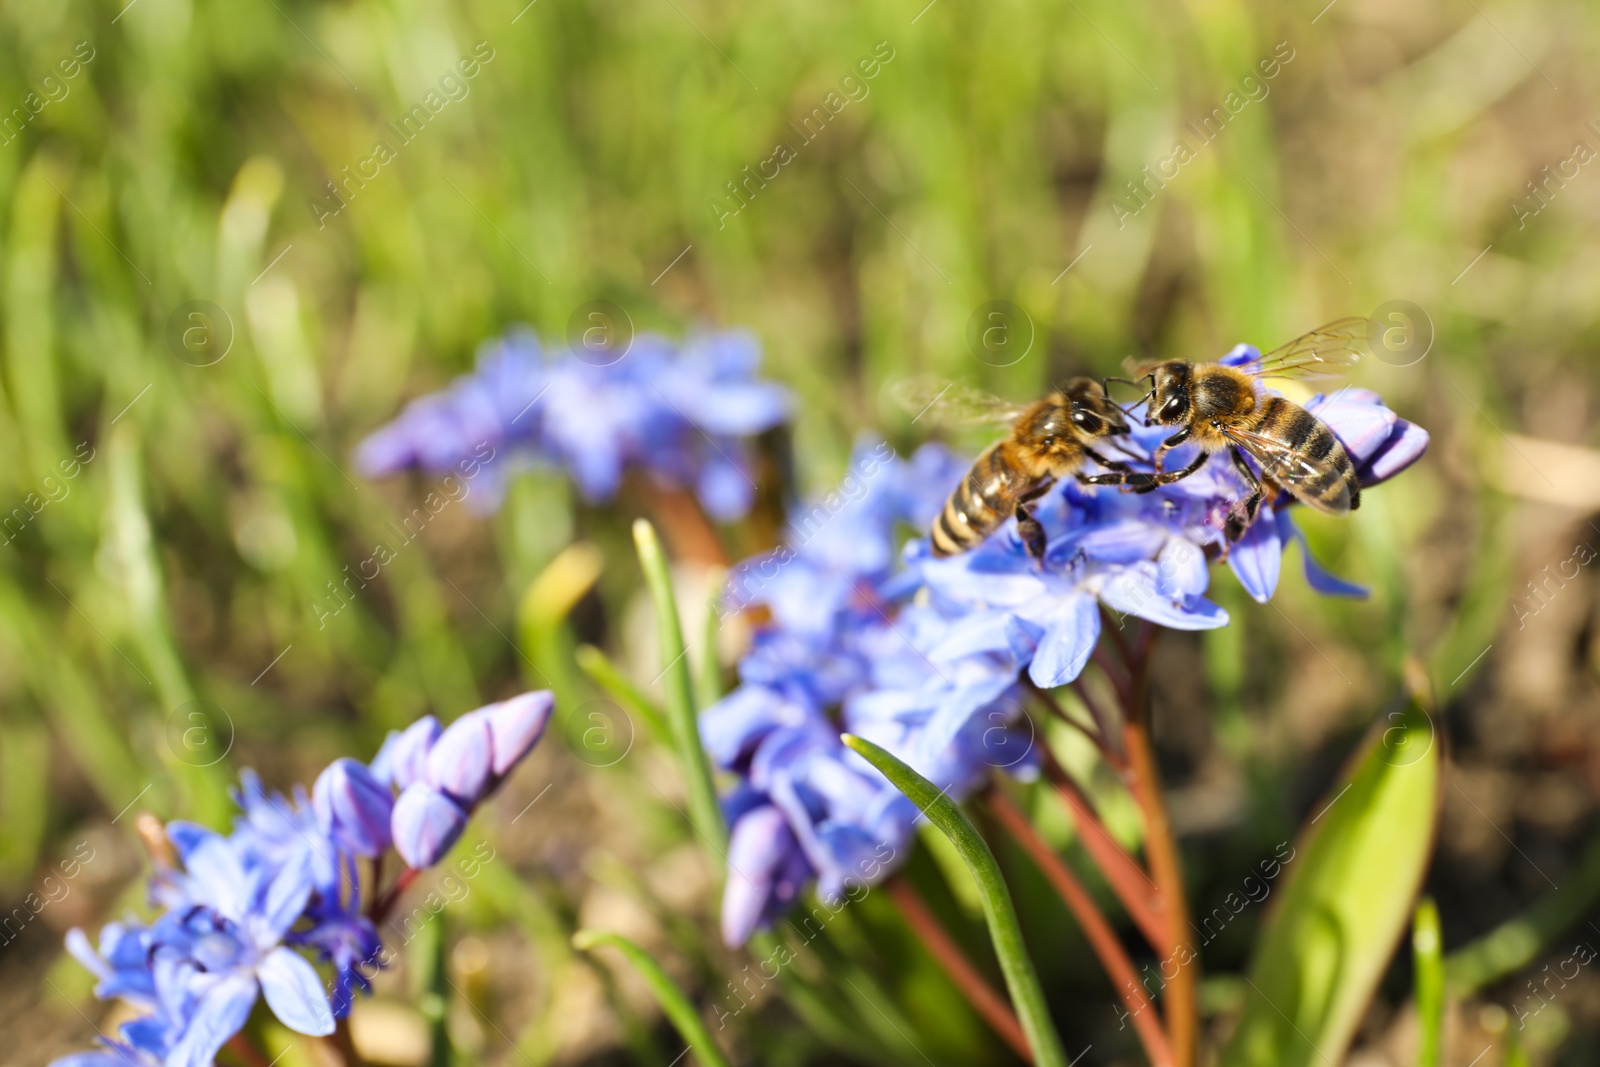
{"x":353,"y":807}
{"x":807,"y":808}
{"x":443,"y":775}
{"x":199,"y":968}
{"x":235,"y":909}
{"x":680,"y":413}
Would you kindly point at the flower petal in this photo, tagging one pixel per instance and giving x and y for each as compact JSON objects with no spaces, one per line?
{"x":1405,"y":445}
{"x":515,"y":726}
{"x":1134,"y":592}
{"x":403,"y":759}
{"x":425,"y":824}
{"x":1316,"y":577}
{"x":353,"y":807}
{"x":221,"y":1012}
{"x":294,"y":993}
{"x":1257,"y":557}
{"x":1068,"y":641}
{"x":461,"y":760}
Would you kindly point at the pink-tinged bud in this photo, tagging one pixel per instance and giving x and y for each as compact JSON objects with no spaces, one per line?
{"x":353,"y":807}
{"x":403,"y":757}
{"x":515,"y":726}
{"x":1380,"y":443}
{"x":425,"y":824}
{"x":460,"y":761}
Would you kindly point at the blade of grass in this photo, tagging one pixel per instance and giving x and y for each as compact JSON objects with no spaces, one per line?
{"x":1427,"y":945}
{"x":1001,"y":914}
{"x":703,"y":808}
{"x":669,"y":996}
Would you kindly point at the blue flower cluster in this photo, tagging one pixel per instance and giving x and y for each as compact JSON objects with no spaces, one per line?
{"x":682,"y":414}
{"x":239,"y":913}
{"x":926,"y":659}
{"x":806,"y":807}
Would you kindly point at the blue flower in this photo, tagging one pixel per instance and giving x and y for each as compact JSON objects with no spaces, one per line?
{"x":807,"y":808}
{"x":682,"y":414}
{"x":236,"y":908}
{"x":443,"y":775}
{"x":199,"y":968}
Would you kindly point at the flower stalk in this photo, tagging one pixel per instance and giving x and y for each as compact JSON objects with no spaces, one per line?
{"x":960,"y":970}
{"x":1102,"y":939}
{"x":1181,"y":993}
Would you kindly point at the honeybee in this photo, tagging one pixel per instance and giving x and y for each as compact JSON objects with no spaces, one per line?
{"x":1050,"y":439}
{"x":1219,"y":408}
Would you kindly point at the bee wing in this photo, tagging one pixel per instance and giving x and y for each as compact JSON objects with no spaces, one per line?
{"x":948,"y":402}
{"x":1322,"y":353}
{"x":1290,"y":468}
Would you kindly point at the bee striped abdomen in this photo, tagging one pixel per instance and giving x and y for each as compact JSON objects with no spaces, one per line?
{"x":1322,"y":474}
{"x":985,"y":498}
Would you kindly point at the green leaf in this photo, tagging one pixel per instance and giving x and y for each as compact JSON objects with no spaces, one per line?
{"x":1021,"y":978}
{"x":1427,"y":948}
{"x":704,"y":811}
{"x":1358,"y":867}
{"x":671,"y":998}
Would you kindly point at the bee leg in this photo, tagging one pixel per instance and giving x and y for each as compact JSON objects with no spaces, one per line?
{"x":1243,"y":514}
{"x":1162,"y":477}
{"x":1028,"y":525}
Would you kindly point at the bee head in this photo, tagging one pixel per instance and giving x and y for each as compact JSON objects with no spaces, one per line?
{"x":1090,"y":411}
{"x":1169,"y":402}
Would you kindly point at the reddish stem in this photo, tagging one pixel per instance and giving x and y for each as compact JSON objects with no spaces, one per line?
{"x":689,"y":533}
{"x":1128,"y":880}
{"x":1100,"y":736}
{"x":1183,"y":1017}
{"x":1102,"y":721}
{"x":248,"y":1053}
{"x":979,"y":993}
{"x":1102,"y":939}
{"x":380,"y":910}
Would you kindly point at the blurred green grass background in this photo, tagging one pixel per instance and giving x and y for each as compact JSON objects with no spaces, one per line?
{"x":186,"y":159}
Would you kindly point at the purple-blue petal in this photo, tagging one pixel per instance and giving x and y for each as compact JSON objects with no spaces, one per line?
{"x":425,"y":824}
{"x":1257,"y":557}
{"x":294,"y":993}
{"x":220,"y":1013}
{"x":406,"y":755}
{"x":461,"y":762}
{"x":353,"y":807}
{"x":1068,"y":641}
{"x":515,"y":726}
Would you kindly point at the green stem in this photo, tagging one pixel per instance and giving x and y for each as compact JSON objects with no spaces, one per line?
{"x":1426,"y":947}
{"x":703,"y":809}
{"x":1021,"y":978}
{"x":669,"y":996}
